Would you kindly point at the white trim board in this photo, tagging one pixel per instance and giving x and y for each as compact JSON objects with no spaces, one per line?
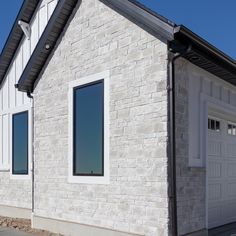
{"x":89,"y":179}
{"x":6,"y":135}
{"x":30,"y":146}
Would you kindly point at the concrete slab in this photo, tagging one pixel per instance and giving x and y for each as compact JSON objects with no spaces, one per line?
{"x":12,"y":232}
{"x":226,"y":230}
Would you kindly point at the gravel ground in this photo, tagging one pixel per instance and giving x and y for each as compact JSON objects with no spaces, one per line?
{"x":23,"y":225}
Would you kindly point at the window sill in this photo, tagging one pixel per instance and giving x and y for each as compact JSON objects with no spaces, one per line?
{"x":88,"y":180}
{"x":4,"y":170}
{"x":20,"y":177}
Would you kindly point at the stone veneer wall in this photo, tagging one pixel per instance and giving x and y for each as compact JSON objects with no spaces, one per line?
{"x":190,"y":181}
{"x":14,"y":192}
{"x":136,"y":200}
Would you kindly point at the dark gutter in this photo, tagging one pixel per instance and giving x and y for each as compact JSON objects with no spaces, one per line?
{"x":172,"y":57}
{"x":46,"y":44}
{"x":14,"y":38}
{"x":32,"y":159}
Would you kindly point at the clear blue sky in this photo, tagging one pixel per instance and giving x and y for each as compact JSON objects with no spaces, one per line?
{"x":8,"y":12}
{"x":214,"y":20}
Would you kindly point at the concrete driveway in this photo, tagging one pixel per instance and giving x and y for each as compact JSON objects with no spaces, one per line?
{"x":12,"y":232}
{"x":226,"y":230}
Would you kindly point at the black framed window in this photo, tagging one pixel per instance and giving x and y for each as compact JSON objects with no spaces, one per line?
{"x":20,"y":143}
{"x":88,"y":130}
{"x":213,"y":125}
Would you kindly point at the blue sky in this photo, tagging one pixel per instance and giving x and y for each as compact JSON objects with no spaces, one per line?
{"x":214,"y":20}
{"x":8,"y":12}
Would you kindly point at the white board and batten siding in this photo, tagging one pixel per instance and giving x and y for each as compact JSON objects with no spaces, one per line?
{"x":11,"y":100}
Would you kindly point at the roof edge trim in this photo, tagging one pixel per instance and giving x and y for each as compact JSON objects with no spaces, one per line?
{"x":143,"y":16}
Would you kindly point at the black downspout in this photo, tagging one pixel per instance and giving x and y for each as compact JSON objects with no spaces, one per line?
{"x":32,"y":170}
{"x":172,"y":57}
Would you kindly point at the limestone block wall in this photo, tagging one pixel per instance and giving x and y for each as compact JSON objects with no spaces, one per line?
{"x":136,"y":200}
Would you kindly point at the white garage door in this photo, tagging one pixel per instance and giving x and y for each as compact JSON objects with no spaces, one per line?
{"x":221,"y":172}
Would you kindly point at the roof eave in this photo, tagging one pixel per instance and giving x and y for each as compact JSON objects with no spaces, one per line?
{"x":49,"y":37}
{"x":15,"y":36}
{"x":205,"y":55}
{"x":182,"y":30}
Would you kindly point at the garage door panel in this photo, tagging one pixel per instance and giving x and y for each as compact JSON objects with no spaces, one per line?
{"x":231,"y":190}
{"x":215,"y":169}
{"x":215,"y":149}
{"x":231,"y":170}
{"x":221,"y":176}
{"x":231,"y":150}
{"x":215,"y":214}
{"x":215,"y":192}
{"x":229,"y":211}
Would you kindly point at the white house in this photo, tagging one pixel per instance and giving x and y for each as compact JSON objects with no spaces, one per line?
{"x":115,"y":121}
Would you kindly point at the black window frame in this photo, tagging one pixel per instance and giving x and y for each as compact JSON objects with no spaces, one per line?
{"x":13,"y":115}
{"x":74,"y":125}
{"x":214,"y":125}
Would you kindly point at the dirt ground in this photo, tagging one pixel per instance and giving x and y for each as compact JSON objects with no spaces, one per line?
{"x":23,"y":225}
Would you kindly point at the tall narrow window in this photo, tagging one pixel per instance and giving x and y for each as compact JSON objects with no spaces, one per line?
{"x":20,"y":143}
{"x":88,"y":150}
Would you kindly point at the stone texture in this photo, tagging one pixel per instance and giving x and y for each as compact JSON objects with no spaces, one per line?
{"x":136,"y":200}
{"x":13,"y":192}
{"x":190,"y":181}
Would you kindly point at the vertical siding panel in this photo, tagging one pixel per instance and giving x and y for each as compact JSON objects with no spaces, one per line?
{"x":12,"y":89}
{"x":10,"y":97}
{"x":216,"y":91}
{"x":225,"y":95}
{"x":25,"y":99}
{"x":5,"y":94}
{"x":1,"y":140}
{"x":19,"y":95}
{"x":26,"y":51}
{"x":1,"y":105}
{"x":233,"y":98}
{"x":34,"y":33}
{"x":5,"y":143}
{"x":51,"y":7}
{"x":206,"y":87}
{"x":42,"y":19}
{"x":26,"y":55}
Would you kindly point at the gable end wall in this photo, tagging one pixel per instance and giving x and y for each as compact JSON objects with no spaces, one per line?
{"x":136,"y":200}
